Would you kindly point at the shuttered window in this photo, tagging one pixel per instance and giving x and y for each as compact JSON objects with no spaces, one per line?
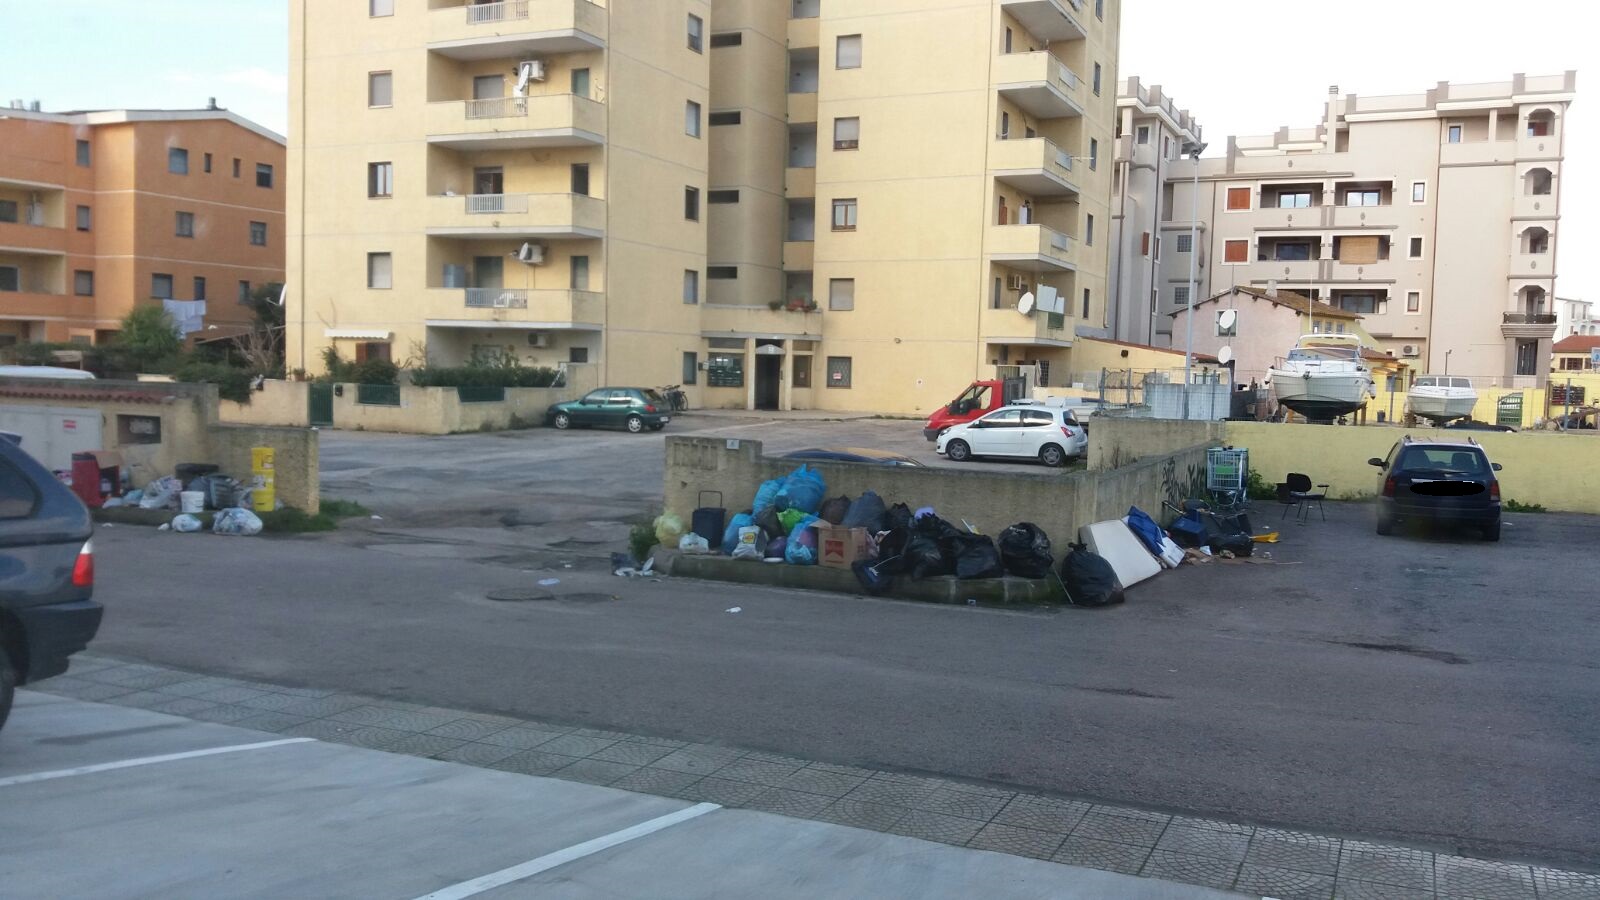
{"x":1236,"y":251}
{"x":1239,"y":198}
{"x":849,"y":52}
{"x":1360,"y":251}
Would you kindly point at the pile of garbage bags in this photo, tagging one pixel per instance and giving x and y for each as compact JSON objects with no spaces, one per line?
{"x":231,"y":499}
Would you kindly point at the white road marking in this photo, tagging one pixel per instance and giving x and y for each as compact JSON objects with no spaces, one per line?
{"x":144,"y":761}
{"x":561,"y":857}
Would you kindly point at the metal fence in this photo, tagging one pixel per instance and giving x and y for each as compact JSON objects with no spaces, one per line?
{"x":378,"y":394}
{"x":477,"y":394}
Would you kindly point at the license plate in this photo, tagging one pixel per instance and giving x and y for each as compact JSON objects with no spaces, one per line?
{"x":665,"y":419}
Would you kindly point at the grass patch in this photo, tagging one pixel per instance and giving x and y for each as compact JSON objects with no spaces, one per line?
{"x":344,"y":509}
{"x":641,"y":538}
{"x":1514,"y":506}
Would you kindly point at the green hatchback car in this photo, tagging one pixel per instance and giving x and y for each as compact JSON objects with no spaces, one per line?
{"x":632,"y":408}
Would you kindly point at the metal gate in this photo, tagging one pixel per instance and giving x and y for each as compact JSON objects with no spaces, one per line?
{"x":321,"y":400}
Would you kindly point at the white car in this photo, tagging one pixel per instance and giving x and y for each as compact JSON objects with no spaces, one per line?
{"x":1051,"y":435}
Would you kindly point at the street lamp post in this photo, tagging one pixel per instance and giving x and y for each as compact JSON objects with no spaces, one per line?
{"x":1447,"y":361}
{"x":1193,"y":149}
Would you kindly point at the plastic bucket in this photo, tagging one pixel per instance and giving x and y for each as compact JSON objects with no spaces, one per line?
{"x":193,"y":501}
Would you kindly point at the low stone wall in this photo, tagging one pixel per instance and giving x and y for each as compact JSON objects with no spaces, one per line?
{"x":1117,"y":441}
{"x":283,"y":403}
{"x":989,"y":499}
{"x":297,"y":474}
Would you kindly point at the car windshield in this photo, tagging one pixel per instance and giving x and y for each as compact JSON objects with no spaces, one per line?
{"x":1443,"y":459}
{"x":654,"y":397}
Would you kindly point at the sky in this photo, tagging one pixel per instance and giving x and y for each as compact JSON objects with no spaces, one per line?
{"x":1241,"y":66}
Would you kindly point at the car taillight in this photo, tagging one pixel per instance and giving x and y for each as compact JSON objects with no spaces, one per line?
{"x":1388,"y":486}
{"x":83,"y":569}
{"x":1494,"y":490}
{"x":650,"y":408}
{"x":1066,"y":431}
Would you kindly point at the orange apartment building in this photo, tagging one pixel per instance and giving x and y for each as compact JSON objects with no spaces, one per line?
{"x":105,"y":210}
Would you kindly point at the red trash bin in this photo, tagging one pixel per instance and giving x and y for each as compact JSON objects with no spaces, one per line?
{"x":86,"y":479}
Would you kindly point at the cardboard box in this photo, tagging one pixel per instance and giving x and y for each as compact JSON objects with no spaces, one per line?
{"x":838,"y":546}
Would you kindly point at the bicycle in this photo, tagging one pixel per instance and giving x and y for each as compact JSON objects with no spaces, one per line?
{"x":676,"y":398}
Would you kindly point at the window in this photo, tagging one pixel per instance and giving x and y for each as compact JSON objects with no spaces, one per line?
{"x":1538,"y":127}
{"x":842,"y":293}
{"x":1097,"y":79}
{"x":1100,"y":9}
{"x":208,"y":163}
{"x":83,"y":283}
{"x":18,"y":496}
{"x":691,"y":204}
{"x":1366,"y":304}
{"x":1363,"y":198}
{"x":177,"y":161}
{"x":1289,"y":200}
{"x":258,"y":234}
{"x":727,"y":39}
{"x":580,"y":179}
{"x":1455,"y":134}
{"x":376,"y":8}
{"x":1236,"y":251}
{"x":1142,"y":136}
{"x":10,"y":279}
{"x":847,"y":52}
{"x":1144,"y":244}
{"x":380,"y":179}
{"x":697,"y":30}
{"x":1094,"y":154}
{"x":1180,"y":295}
{"x":185,"y":224}
{"x":691,"y":286}
{"x":1419,"y":192}
{"x":580,"y":82}
{"x":722,"y":273}
{"x":83,"y":218}
{"x":1005,"y":124}
{"x":1088,"y":230}
{"x":199,"y":288}
{"x":726,"y":118}
{"x":997,"y":298}
{"x":380,"y":89}
{"x":728,"y":196}
{"x":380,"y":271}
{"x":802,"y":371}
{"x":1085,"y":303}
{"x":1415,"y":248}
{"x":244,"y":292}
{"x":1006,"y":46}
{"x":161,"y":286}
{"x":580,"y":273}
{"x":263,"y":175}
{"x":236,"y":167}
{"x":1185,"y":243}
{"x":691,"y":119}
{"x":1238,"y":198}
{"x":83,"y":153}
{"x":847,"y":133}
{"x":691,"y":368}
{"x":1232,"y":330}
{"x":838,"y":371}
{"x":844,"y":214}
{"x":8,"y":210}
{"x":1413,"y":301}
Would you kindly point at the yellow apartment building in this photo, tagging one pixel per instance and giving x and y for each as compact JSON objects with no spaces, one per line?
{"x":781,"y":204}
{"x":104,"y":210}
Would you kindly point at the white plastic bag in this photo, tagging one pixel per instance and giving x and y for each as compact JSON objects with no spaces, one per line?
{"x":693,"y":543}
{"x":186,"y":524}
{"x":752,"y":543}
{"x":237,"y":522}
{"x":161,"y":494}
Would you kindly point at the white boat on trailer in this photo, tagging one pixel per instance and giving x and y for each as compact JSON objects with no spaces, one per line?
{"x":1323,"y":377}
{"x":1441,"y":398}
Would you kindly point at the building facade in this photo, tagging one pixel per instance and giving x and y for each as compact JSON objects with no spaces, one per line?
{"x":102,"y":211}
{"x":1152,"y":133}
{"x":1575,"y":317}
{"x":1434,"y":216}
{"x":779,"y":203}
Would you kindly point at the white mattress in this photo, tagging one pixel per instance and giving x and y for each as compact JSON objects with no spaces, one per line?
{"x":1127,"y":556}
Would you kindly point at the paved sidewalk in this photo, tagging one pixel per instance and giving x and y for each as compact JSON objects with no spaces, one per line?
{"x":687,"y":417}
{"x":1262,"y":861}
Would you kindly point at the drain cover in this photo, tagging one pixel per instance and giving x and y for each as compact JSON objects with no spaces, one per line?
{"x":519,"y":595}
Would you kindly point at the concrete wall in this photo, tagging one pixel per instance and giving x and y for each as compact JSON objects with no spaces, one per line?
{"x":277,"y":403}
{"x":1115,"y":442}
{"x":298,"y":472}
{"x":990,"y":500}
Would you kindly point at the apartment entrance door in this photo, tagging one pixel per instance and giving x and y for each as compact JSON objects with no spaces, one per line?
{"x":488,"y":272}
{"x":769,"y":374}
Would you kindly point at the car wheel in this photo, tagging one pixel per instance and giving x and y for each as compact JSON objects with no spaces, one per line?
{"x":635,"y":424}
{"x":562,"y":421}
{"x":1052,"y":456}
{"x":1491,"y":532}
{"x":958,"y":451}
{"x":8,"y":684}
{"x":1385,"y":525}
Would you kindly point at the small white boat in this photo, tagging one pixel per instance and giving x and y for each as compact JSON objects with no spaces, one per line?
{"x":1323,"y":377}
{"x":1441,"y":398}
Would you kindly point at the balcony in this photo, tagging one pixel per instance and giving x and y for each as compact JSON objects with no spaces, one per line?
{"x":45,"y":304}
{"x":43,"y":240}
{"x":1530,"y":326}
{"x":802,"y":108}
{"x":1288,"y":272}
{"x":1007,"y":326}
{"x":517,"y":216}
{"x":516,"y":29}
{"x":1533,"y":265}
{"x":723,"y":321}
{"x":1039,"y":84}
{"x":1047,"y":20}
{"x":798,"y":256}
{"x":1346,"y":217}
{"x":1035,"y":166}
{"x":1477,"y":153}
{"x":800,"y":182}
{"x":804,"y":33}
{"x":517,"y":123}
{"x":1532,"y":206}
{"x":534,"y":310}
{"x":1031,"y":248}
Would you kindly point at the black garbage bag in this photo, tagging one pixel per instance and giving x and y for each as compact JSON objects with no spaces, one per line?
{"x":976,"y":557}
{"x":1237,"y":544}
{"x":899,"y":516}
{"x":876,"y":579}
{"x":924,"y":558}
{"x":767,"y":520}
{"x":1089,"y":579}
{"x":867,"y":512}
{"x":1025,"y":551}
{"x":833,"y":511}
{"x":893,"y":542}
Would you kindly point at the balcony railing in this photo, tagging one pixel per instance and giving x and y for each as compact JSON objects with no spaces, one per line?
{"x":496,"y":298}
{"x":1528,"y":319}
{"x":482,"y":204}
{"x":505,"y":11}
{"x":497,"y":107}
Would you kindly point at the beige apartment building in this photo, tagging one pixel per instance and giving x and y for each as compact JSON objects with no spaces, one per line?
{"x":1435,"y":216}
{"x":812,"y":204}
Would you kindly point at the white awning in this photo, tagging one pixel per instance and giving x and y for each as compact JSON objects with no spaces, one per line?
{"x":358,"y":334}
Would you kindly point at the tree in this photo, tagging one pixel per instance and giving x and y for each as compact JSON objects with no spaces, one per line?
{"x":149,"y":338}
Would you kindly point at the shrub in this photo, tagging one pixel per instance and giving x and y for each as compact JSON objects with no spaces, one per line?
{"x":641,"y":539}
{"x":232,"y":383}
{"x":373,"y":371}
{"x":504,"y":370}
{"x":149,"y":338}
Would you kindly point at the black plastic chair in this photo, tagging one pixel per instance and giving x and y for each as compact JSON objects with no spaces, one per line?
{"x":1300,"y":486}
{"x":1288,"y":499}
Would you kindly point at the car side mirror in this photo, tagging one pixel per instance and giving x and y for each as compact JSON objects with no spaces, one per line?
{"x":1494,"y":466}
{"x":1375,"y":462}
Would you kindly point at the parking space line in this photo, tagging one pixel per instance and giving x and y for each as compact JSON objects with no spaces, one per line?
{"x":144,"y":761}
{"x":561,"y":857}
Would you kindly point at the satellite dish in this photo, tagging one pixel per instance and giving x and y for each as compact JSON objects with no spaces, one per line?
{"x":1225,"y":355}
{"x":1025,"y":303}
{"x":1226,"y":318}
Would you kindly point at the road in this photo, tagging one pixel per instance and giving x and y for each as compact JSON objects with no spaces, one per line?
{"x":1427,"y":690}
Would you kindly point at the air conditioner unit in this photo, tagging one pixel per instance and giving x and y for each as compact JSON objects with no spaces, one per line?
{"x":539,"y":339}
{"x":527,"y":71}
{"x":1411,"y":351}
{"x":1015,"y":283}
{"x":501,"y":301}
{"x":532,"y":254}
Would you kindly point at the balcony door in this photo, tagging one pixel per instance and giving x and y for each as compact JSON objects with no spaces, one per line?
{"x":488,"y":87}
{"x":488,"y":272}
{"x":488,"y":180}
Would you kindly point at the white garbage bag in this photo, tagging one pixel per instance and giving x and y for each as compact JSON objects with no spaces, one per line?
{"x":186,"y":523}
{"x":752,"y":543}
{"x":693,"y":543}
{"x":161,"y":494}
{"x":236,"y":521}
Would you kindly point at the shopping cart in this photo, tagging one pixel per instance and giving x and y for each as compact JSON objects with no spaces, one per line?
{"x":1227,"y":478}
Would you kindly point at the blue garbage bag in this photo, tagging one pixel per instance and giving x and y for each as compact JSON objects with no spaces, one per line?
{"x":802,"y":490}
{"x":1145,"y":529}
{"x":802,"y":547}
{"x":766,"y":496}
{"x":730,"y":537}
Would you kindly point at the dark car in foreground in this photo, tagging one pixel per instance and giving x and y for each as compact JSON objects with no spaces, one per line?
{"x":46,"y":574}
{"x":852,"y":454}
{"x":1438,"y":481}
{"x":616,"y":407}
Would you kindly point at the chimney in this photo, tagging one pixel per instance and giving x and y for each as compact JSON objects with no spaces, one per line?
{"x":211,"y":103}
{"x":34,"y":106}
{"x":1272,"y":289}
